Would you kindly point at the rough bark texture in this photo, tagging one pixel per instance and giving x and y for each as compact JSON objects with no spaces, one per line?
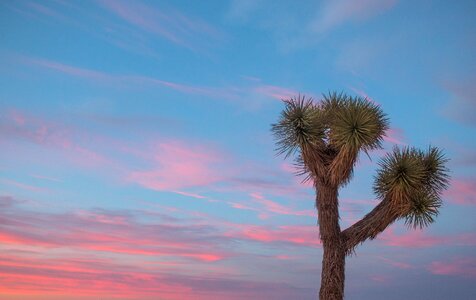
{"x":375,"y":222}
{"x":333,"y":261}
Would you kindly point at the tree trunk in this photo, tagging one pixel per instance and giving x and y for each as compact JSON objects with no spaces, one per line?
{"x":333,"y":261}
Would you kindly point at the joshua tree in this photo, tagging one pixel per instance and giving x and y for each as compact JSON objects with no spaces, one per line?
{"x":326,"y":138}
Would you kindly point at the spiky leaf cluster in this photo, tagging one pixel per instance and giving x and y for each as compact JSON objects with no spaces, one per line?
{"x":414,"y":180}
{"x":300,"y":124}
{"x":423,"y":210}
{"x":332,"y":131}
{"x":355,"y":123}
{"x":437,"y":174}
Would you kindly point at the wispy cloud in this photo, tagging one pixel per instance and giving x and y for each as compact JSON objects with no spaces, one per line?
{"x":396,"y":264}
{"x":459,"y":266}
{"x":145,"y":255}
{"x":16,"y":125}
{"x":130,"y":25}
{"x":102,"y":77}
{"x":48,"y":178}
{"x":395,"y":136}
{"x":462,"y":191}
{"x":240,"y":93}
{"x":111,"y":232}
{"x":166,"y":23}
{"x":22,"y":186}
{"x":363,"y":94}
{"x":421,"y":239}
{"x":295,"y":235}
{"x":380,"y":278}
{"x":276,"y":208}
{"x":85,"y":73}
{"x":105,"y":278}
{"x":336,"y":13}
{"x":178,"y":166}
{"x":276,"y":92}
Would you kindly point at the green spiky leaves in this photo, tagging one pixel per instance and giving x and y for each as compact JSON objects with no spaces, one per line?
{"x":423,"y":210}
{"x":401,"y":172}
{"x":414,"y":180}
{"x":355,"y":123}
{"x":329,"y":133}
{"x":436,"y":172}
{"x":301,"y":124}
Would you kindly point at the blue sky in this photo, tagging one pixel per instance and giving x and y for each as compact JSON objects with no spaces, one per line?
{"x":137,"y":158}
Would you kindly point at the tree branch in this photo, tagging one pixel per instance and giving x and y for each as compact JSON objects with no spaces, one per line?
{"x":313,"y":159}
{"x":342,"y":166}
{"x":384,"y":214}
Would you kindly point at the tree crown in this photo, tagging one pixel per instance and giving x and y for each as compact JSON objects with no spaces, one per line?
{"x":328,"y":135}
{"x":336,"y":129}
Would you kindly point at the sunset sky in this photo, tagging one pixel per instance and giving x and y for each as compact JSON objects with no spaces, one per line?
{"x":137,"y":162}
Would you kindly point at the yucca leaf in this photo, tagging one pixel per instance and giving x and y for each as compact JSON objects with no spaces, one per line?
{"x":300,"y":125}
{"x":401,"y":172}
{"x":437,"y":176}
{"x":354,"y":122}
{"x":424,"y":209}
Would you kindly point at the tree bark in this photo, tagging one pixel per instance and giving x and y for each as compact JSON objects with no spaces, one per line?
{"x":333,"y":261}
{"x":375,"y":222}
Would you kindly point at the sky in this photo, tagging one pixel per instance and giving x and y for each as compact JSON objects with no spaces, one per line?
{"x":137,"y":160}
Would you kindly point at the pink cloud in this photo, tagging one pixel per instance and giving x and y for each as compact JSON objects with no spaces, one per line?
{"x":52,"y":134}
{"x":277,"y":208}
{"x":179,"y":165}
{"x":380,"y":278}
{"x":362,"y":93}
{"x":258,"y":178}
{"x":169,"y":24}
{"x":397,"y":264}
{"x":70,"y":70}
{"x":48,"y":178}
{"x":22,"y":186}
{"x":242,"y":206}
{"x":128,"y":80}
{"x":12,"y":238}
{"x":464,"y":267}
{"x":285,"y":257}
{"x":462,"y":191}
{"x":286,"y":167}
{"x":419,"y":239}
{"x":410,"y":239}
{"x":141,"y":16}
{"x":338,"y":12}
{"x":67,"y":13}
{"x":275,"y":92}
{"x":222,"y":93}
{"x":150,"y":257}
{"x":109,"y":232}
{"x":395,"y":136}
{"x":193,"y":195}
{"x":297,"y":235}
{"x":17,"y":117}
{"x":40,"y":277}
